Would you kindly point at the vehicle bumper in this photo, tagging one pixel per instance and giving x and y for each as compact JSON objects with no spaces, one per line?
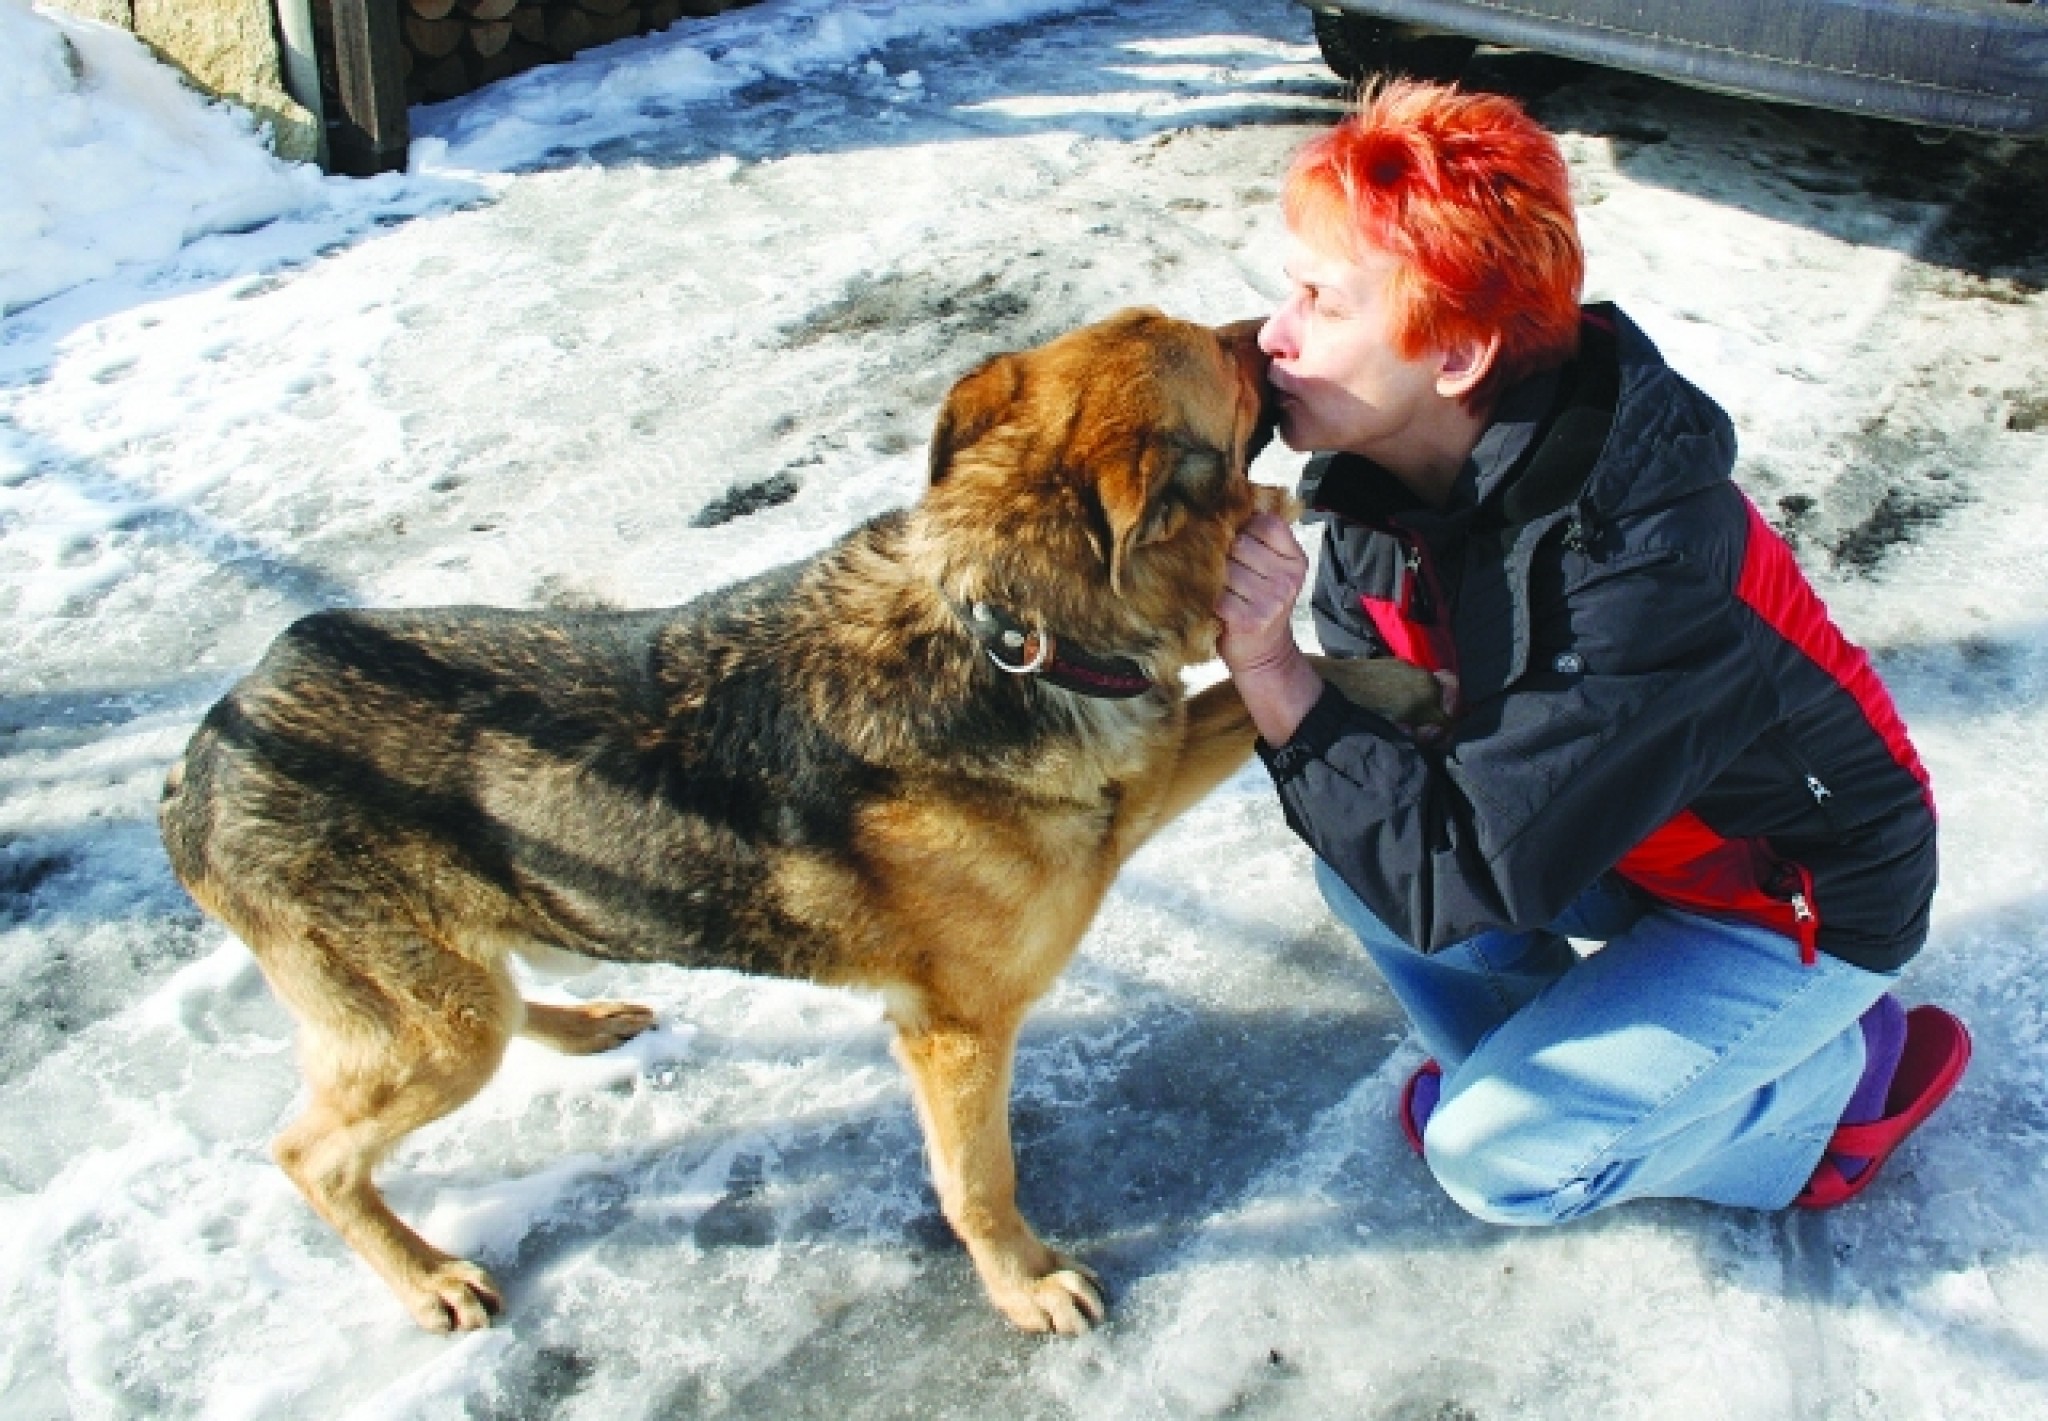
{"x":1980,"y":65}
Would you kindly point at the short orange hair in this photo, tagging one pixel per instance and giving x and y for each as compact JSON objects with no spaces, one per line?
{"x":1473,"y":198}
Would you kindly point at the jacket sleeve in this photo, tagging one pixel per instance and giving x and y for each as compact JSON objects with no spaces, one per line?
{"x":1546,"y":785}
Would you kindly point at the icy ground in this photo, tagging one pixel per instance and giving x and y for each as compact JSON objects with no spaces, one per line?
{"x":683,"y":309}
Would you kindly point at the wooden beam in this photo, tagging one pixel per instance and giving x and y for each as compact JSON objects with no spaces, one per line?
{"x":370,"y":133}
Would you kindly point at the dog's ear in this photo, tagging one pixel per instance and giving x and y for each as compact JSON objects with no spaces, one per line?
{"x":975,"y":405}
{"x":1147,"y":500}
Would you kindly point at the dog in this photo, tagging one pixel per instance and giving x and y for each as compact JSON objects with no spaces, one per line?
{"x":910,"y":764}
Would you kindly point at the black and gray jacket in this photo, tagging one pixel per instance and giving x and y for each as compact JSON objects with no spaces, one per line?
{"x":1649,"y":685}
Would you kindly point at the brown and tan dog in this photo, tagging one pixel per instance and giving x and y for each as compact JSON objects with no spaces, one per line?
{"x":911,"y":764}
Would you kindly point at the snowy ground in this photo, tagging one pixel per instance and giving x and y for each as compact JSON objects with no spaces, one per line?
{"x":681,"y":310}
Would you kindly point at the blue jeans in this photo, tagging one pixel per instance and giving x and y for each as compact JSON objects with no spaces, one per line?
{"x":1687,"y":1058}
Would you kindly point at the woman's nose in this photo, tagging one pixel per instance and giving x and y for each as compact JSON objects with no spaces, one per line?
{"x":1276,"y":337}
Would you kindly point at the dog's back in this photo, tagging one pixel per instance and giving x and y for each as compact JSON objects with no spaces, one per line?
{"x":558,"y":778}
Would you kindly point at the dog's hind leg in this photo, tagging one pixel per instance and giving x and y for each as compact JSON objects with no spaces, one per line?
{"x":384,"y":1054}
{"x":588,"y":1029}
{"x":961,"y":1080}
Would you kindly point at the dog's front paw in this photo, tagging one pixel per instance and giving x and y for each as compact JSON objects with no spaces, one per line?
{"x":455,"y":1296}
{"x":1067,"y":1300}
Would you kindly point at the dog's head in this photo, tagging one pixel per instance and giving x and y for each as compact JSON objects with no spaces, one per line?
{"x":1096,"y":481}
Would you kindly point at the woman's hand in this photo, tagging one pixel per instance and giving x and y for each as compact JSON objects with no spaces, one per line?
{"x":1256,"y":609}
{"x":1260,"y":586}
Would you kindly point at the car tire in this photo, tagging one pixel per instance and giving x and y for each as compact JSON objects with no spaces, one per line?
{"x":1359,"y":48}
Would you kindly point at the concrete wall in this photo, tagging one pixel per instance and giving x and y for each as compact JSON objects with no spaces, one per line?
{"x":229,"y":48}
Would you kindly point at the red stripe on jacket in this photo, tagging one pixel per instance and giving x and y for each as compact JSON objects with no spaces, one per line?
{"x":1685,"y":862}
{"x":1775,"y":589}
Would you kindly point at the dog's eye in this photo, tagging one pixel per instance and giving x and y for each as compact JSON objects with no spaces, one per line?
{"x":1199,"y":472}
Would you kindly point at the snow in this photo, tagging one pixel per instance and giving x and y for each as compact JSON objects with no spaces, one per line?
{"x":738,"y":264}
{"x":116,"y":164}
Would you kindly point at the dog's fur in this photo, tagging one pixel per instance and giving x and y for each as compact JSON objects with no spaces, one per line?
{"x":817,"y":773}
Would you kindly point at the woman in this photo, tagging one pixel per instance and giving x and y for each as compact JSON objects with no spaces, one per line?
{"x":1660,"y":743}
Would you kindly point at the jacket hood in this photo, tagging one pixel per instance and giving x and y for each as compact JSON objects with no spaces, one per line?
{"x":1614,"y":431}
{"x":1667,"y":438}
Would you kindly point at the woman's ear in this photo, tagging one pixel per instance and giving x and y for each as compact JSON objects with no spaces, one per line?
{"x":1463,"y":367}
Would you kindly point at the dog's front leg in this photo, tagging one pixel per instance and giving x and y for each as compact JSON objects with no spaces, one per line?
{"x":1219,"y":732}
{"x":1217,"y":740}
{"x":960,"y":1076}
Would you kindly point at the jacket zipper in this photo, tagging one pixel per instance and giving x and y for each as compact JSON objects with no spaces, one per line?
{"x":1422,"y":602}
{"x":1805,"y":919}
{"x":1576,"y":534}
{"x":1416,"y":603}
{"x":1792,"y":884}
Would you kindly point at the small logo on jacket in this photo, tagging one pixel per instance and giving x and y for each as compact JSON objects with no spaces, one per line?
{"x":1569,"y":663}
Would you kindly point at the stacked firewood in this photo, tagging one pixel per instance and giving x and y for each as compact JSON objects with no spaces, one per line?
{"x":453,"y":46}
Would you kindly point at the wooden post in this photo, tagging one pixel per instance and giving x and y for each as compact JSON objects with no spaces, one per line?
{"x":370,"y":133}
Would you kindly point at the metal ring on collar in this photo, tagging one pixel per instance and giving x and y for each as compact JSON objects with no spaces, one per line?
{"x":1038,"y":660}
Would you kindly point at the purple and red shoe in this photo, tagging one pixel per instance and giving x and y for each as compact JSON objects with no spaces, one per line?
{"x":1418,"y":1101}
{"x":1912,"y":1063}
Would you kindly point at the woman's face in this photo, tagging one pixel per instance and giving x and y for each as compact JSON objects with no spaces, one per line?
{"x":1338,"y":382}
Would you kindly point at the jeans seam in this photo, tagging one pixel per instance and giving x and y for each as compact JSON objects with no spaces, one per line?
{"x":1817,"y":1141}
{"x":1494,"y":983}
{"x":1583,"y":1173}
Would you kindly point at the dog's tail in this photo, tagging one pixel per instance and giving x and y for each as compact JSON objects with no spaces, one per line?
{"x":184,"y":813}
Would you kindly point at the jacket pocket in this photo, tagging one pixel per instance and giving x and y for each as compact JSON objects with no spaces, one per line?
{"x":1783,"y":748}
